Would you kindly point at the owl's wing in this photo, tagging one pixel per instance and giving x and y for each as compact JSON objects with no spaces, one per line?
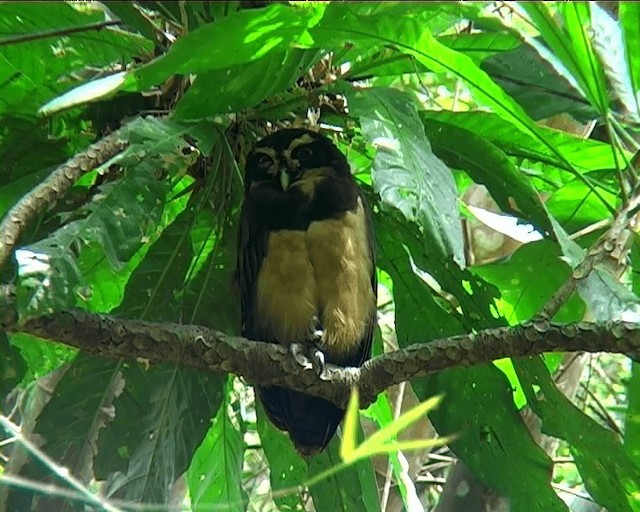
{"x":252,"y":243}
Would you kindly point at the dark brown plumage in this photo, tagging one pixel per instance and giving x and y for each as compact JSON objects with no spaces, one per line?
{"x":306,"y":267}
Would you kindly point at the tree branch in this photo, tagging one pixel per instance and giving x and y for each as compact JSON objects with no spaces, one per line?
{"x":50,"y":190}
{"x":269,"y":364}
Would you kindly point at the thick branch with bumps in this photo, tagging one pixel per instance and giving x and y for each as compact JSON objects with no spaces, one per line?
{"x":270,"y":364}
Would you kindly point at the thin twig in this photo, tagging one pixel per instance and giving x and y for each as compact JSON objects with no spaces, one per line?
{"x":54,"y":187}
{"x":25,"y":38}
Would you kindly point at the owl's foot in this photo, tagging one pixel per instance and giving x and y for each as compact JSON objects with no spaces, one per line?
{"x":309,"y":357}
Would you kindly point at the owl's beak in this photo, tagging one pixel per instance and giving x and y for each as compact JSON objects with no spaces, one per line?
{"x":285,"y":179}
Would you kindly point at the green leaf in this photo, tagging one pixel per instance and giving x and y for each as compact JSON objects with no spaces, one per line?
{"x":231,"y":84}
{"x":161,"y":418}
{"x":488,"y":165}
{"x":406,"y":174}
{"x":384,"y":440}
{"x":538,"y":81}
{"x":215,"y":473}
{"x":164,"y":412}
{"x":380,"y":411}
{"x":570,"y":43}
{"x":632,"y":419}
{"x":492,"y":439}
{"x":41,"y":358}
{"x":252,"y":34}
{"x":482,"y":45}
{"x":352,"y":488}
{"x":629,"y":14}
{"x":115,"y":223}
{"x":13,"y":367}
{"x":478,"y":405}
{"x":522,"y":292}
{"x":287,"y":470}
{"x":584,"y":154}
{"x":608,"y":44}
{"x":69,"y":424}
{"x":608,"y":473}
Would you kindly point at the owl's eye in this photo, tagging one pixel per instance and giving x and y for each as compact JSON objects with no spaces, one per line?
{"x":265,"y":161}
{"x":303,"y":154}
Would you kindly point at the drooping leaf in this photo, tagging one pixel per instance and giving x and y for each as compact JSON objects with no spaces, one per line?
{"x":215,"y":474}
{"x":116,"y":222}
{"x":230,"y":84}
{"x":608,"y":45}
{"x":164,"y":412}
{"x":69,"y":425}
{"x":490,"y":433}
{"x":352,"y":488}
{"x":608,"y":473}
{"x":570,"y":43}
{"x":406,"y":174}
{"x":287,"y":470}
{"x":489,"y":166}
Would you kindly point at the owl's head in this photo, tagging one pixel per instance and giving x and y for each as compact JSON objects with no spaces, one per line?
{"x":293,"y":159}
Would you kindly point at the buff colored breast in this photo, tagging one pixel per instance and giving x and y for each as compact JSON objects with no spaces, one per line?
{"x":323,"y":272}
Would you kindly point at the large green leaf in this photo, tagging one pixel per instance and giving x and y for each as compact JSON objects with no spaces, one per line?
{"x":630,"y":20}
{"x":231,"y":84}
{"x":164,"y":412}
{"x":406,"y":174}
{"x":287,"y":470}
{"x":489,"y":165}
{"x":522,"y":292}
{"x":33,"y":71}
{"x":608,"y":44}
{"x":584,"y":154}
{"x":251,"y":35}
{"x":568,"y":40}
{"x":352,"y":488}
{"x":609,"y":475}
{"x":119,"y":218}
{"x":478,"y":404}
{"x":532,"y":76}
{"x":69,"y":424}
{"x":215,"y":474}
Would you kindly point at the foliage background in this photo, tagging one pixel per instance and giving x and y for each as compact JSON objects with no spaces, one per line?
{"x":537,"y":102}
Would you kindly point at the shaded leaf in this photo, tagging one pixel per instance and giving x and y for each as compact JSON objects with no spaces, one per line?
{"x":215,"y":474}
{"x":287,"y":470}
{"x":252,"y":34}
{"x":489,"y":166}
{"x":608,"y":473}
{"x":230,"y":84}
{"x":629,"y":15}
{"x":406,"y":174}
{"x":69,"y":424}
{"x":352,"y":488}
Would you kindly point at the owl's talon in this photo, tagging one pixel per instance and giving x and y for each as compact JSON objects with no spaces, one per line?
{"x":299,"y":355}
{"x":317,"y":357}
